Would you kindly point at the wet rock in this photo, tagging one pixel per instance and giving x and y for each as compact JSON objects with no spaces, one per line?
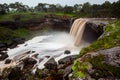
{"x":67,"y":52}
{"x":42,"y":73}
{"x":28,"y":52}
{"x":3,"y":46}
{"x":35,"y":55}
{"x":29,"y":63}
{"x":68,"y":59}
{"x":67,"y":71}
{"x":47,"y":56}
{"x":19,"y":40}
{"x":8,"y":61}
{"x":16,"y":74}
{"x":96,"y":26}
{"x":3,"y":56}
{"x":33,"y":51}
{"x":51,"y":64}
{"x":12,"y":45}
{"x":61,"y":66}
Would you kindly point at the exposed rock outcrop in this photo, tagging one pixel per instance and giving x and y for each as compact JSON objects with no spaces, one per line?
{"x":3,"y":56}
{"x":49,"y":21}
{"x":102,"y":64}
{"x":96,"y":26}
{"x":51,"y":64}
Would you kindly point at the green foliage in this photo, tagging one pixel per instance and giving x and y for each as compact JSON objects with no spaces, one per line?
{"x":79,"y":69}
{"x":110,"y":38}
{"x":6,"y":34}
{"x":22,"y":16}
{"x":22,"y":32}
{"x":26,"y":16}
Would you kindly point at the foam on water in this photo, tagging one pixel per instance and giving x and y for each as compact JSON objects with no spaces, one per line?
{"x":46,"y":46}
{"x":52,"y":45}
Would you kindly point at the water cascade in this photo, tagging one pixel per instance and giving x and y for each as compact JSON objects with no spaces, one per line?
{"x":77,"y":30}
{"x":49,"y":45}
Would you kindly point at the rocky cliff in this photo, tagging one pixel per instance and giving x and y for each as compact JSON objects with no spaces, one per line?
{"x":101,"y":60}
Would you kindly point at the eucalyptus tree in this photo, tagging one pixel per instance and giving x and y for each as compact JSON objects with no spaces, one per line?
{"x":68,"y":9}
{"x":4,"y":8}
{"x":77,"y":8}
{"x":41,"y":7}
{"x":52,"y":8}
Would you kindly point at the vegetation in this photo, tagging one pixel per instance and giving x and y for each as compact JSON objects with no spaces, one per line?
{"x":6,"y":34}
{"x":101,"y":70}
{"x":106,"y":9}
{"x":79,"y":69}
{"x":110,"y":38}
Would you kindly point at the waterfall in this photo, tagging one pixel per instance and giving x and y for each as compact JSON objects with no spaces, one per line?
{"x":51,"y":44}
{"x":77,"y":30}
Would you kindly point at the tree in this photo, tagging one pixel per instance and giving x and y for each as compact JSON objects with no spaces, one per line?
{"x":41,"y":7}
{"x":68,"y":9}
{"x":86,"y":7}
{"x":77,"y":8}
{"x":4,"y":8}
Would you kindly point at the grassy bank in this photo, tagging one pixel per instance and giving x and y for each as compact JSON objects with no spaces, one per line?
{"x":28,"y":16}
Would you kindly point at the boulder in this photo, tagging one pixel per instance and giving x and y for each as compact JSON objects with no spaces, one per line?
{"x":67,"y":71}
{"x":51,"y":64}
{"x":67,"y":52}
{"x":29,"y":63}
{"x":3,"y":56}
{"x":68,"y":59}
{"x":42,"y":73}
{"x":12,"y":45}
{"x":3,"y":46}
{"x":96,"y":26}
{"x":111,"y":56}
{"x":19,"y":40}
{"x":8,"y":61}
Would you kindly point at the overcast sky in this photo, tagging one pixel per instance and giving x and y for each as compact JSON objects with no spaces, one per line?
{"x":62,"y":2}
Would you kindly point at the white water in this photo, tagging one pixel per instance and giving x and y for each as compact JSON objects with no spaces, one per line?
{"x":52,"y":45}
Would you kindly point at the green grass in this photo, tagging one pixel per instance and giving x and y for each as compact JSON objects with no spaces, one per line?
{"x":22,"y":16}
{"x":110,"y":38}
{"x":29,"y":16}
{"x":79,"y":69}
{"x":6,"y":34}
{"x":22,"y":32}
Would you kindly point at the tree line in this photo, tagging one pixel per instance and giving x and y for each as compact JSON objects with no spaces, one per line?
{"x":107,"y":9}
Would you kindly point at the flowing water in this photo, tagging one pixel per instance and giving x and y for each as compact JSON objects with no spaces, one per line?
{"x":49,"y":45}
